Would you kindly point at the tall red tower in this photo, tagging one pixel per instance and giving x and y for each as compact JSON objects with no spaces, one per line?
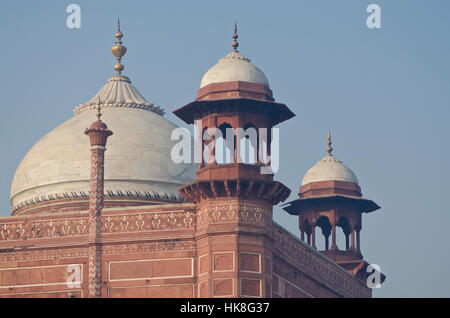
{"x":234,"y":199}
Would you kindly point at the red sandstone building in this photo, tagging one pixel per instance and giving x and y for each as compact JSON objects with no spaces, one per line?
{"x":109,"y":214}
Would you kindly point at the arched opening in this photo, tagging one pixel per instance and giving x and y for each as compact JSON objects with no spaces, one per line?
{"x":344,"y":224}
{"x":207,"y":146}
{"x":305,"y":232}
{"x":225,"y":145}
{"x":324,"y":224}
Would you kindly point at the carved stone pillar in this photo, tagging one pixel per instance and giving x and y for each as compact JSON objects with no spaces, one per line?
{"x":347,"y":241}
{"x":313,"y":232}
{"x":98,"y":134}
{"x":353,"y":239}
{"x":358,"y":244}
{"x":333,"y":236}
{"x":95,"y":220}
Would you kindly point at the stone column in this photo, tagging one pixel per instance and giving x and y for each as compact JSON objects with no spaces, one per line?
{"x":199,"y":133}
{"x":95,"y":220}
{"x":333,"y":236}
{"x":347,"y":245}
{"x":269,"y":146}
{"x":260,"y":152}
{"x":313,"y":232}
{"x":98,"y":134}
{"x":212,"y":159}
{"x":358,"y":245}
{"x":353,"y":239}
{"x":237,"y":149}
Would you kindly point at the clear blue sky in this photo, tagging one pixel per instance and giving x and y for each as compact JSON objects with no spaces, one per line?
{"x":383,"y":93}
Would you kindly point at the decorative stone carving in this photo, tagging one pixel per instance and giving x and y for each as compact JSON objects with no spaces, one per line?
{"x":20,"y":231}
{"x":154,"y":221}
{"x":109,"y":195}
{"x":124,"y":223}
{"x":47,"y":254}
{"x":245,"y":213}
{"x":288,"y":248}
{"x":149,"y":247}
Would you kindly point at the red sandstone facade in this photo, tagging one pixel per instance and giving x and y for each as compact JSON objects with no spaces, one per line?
{"x":223,"y":243}
{"x":219,"y":250}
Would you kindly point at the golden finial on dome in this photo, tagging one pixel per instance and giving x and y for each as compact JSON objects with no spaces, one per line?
{"x":119,"y":50}
{"x":99,"y":108}
{"x":235,"y":44}
{"x":329,"y":148}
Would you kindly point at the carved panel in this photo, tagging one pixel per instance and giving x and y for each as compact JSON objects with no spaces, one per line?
{"x":151,"y":268}
{"x":203,"y":289}
{"x":250,"y":262}
{"x":61,"y":253}
{"x":48,"y":254}
{"x":19,"y":231}
{"x":243,"y":213}
{"x":251,"y":287}
{"x":68,"y":227}
{"x":159,"y":291}
{"x":203,"y":264}
{"x":148,"y":247}
{"x":223,"y":261}
{"x":155,"y":221}
{"x":223,"y":287}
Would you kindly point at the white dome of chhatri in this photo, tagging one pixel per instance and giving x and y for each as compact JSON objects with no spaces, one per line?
{"x":234,"y":67}
{"x":329,"y":169}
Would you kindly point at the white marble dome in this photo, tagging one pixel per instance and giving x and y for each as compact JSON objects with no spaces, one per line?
{"x":234,"y":67}
{"x":329,"y":169}
{"x":137,"y":159}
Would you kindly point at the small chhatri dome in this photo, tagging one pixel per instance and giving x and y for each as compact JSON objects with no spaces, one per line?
{"x":329,"y":169}
{"x":234,"y":67}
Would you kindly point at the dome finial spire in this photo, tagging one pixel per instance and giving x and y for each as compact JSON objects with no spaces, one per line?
{"x":329,"y":148}
{"x":99,"y":108}
{"x":118,"y":50}
{"x":235,"y":44}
